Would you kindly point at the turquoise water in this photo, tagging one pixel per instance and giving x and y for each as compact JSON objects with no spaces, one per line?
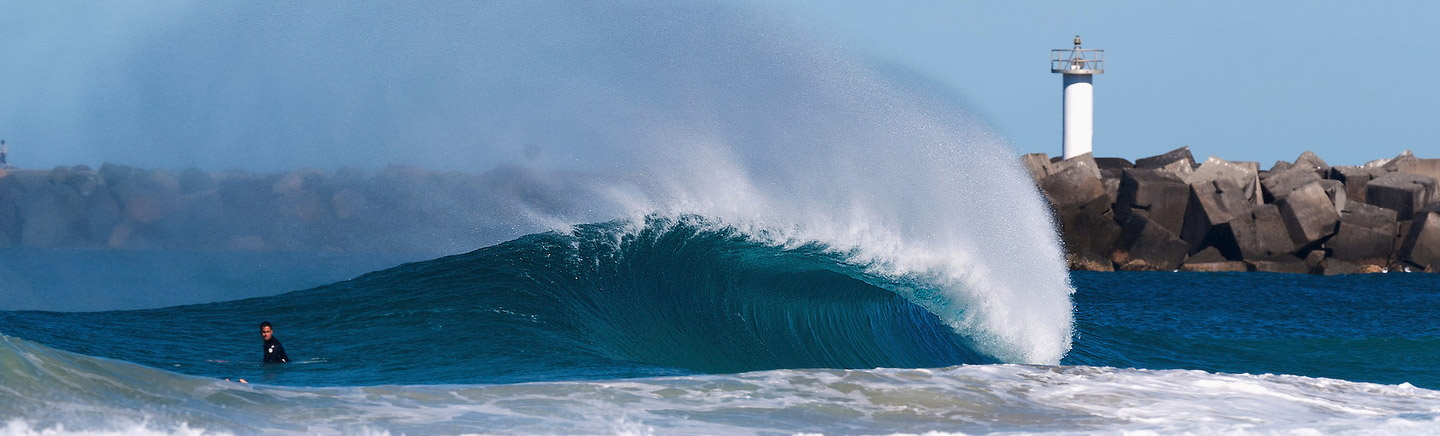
{"x":682,"y":326}
{"x":599,"y":303}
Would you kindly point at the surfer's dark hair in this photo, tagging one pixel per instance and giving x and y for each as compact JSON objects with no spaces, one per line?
{"x":264,"y":324}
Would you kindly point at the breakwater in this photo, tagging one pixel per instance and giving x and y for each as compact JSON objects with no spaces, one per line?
{"x":1160,"y":213}
{"x":395,"y":209}
{"x":1168,"y":212}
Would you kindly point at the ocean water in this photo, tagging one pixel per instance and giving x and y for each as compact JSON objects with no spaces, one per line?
{"x":690,"y":326}
{"x":72,"y":280}
{"x":762,"y":232}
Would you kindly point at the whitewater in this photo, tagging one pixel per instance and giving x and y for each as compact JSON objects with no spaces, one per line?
{"x":772,"y":235}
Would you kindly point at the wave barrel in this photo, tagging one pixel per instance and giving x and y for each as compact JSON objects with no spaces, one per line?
{"x":1077,"y":67}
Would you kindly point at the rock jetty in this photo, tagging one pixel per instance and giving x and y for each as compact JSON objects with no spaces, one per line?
{"x":395,"y":209}
{"x":1168,"y":212}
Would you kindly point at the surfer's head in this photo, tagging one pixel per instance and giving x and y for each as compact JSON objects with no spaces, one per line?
{"x":265,"y":330}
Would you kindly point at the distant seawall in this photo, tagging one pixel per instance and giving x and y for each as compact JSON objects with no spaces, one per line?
{"x":395,"y":209}
{"x":1160,"y":213}
{"x":1168,"y":212}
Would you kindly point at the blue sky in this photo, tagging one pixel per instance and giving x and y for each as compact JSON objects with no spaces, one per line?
{"x":1241,"y":80}
{"x":283,"y":84}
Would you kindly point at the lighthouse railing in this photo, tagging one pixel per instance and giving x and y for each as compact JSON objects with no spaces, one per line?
{"x":1077,"y":61}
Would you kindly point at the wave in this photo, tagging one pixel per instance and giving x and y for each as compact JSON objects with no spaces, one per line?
{"x":47,"y":391}
{"x":620,"y":299}
{"x":628,"y":299}
{"x":731,"y":112}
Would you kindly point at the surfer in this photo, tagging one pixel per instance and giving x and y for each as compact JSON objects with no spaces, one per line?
{"x":274,"y":352}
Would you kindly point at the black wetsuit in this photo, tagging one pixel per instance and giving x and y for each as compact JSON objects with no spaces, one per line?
{"x":274,"y":352}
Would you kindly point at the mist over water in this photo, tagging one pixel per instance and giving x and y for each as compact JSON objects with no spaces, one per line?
{"x":716,"y":110}
{"x":451,"y":85}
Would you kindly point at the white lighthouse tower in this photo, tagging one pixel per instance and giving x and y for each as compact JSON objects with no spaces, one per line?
{"x":1077,"y":66}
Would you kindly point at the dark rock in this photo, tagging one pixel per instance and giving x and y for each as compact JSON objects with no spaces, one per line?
{"x":114,"y":174}
{"x":1308,"y":159}
{"x":1207,"y":218}
{"x":1210,"y":260}
{"x":1037,"y":164}
{"x":1361,"y":245}
{"x":1402,"y":192}
{"x":401,"y":208}
{"x":1309,"y":216}
{"x":1280,"y":166}
{"x":1402,"y":232}
{"x":1168,"y":160}
{"x":1085,"y":161}
{"x":102,"y":214}
{"x":1089,"y":240}
{"x":59,"y":174}
{"x":1315,"y":260}
{"x":1405,"y":267}
{"x":1393,"y":164}
{"x":1370,"y":216}
{"x":1146,"y":246}
{"x":1180,"y":169}
{"x":1111,"y":180}
{"x":10,"y":194}
{"x":1208,"y":255}
{"x":1113,"y":163}
{"x":245,"y":201}
{"x":1335,"y":266}
{"x":50,"y":217}
{"x":1283,"y":264}
{"x":1155,"y":194}
{"x":1242,"y":174}
{"x":1261,"y":234}
{"x":1380,"y":163}
{"x":1336,"y":191}
{"x":1226,"y":266}
{"x":1355,"y":179}
{"x":144,"y":197}
{"x":1423,"y":167}
{"x":1366,"y":236}
{"x":29,"y":180}
{"x":302,"y":195}
{"x":1422,"y":244}
{"x":194,"y":181}
{"x":1280,"y":183}
{"x":196,"y":225}
{"x":80,"y":178}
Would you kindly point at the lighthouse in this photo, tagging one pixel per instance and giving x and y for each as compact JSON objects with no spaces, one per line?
{"x":1077,"y":67}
